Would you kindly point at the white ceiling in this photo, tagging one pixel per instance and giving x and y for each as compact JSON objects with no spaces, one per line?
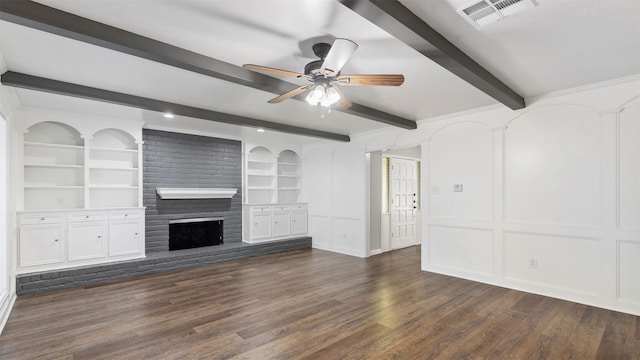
{"x":558,"y":45}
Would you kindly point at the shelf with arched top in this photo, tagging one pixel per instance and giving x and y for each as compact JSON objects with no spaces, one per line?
{"x":114,"y":172}
{"x":289,"y":187}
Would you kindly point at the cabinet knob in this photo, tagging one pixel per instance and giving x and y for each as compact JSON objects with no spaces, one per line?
{"x":99,"y":236}
{"x":55,"y":240}
{"x":86,"y":217}
{"x":125,"y":215}
{"x":41,"y":219}
{"x":135,"y":234}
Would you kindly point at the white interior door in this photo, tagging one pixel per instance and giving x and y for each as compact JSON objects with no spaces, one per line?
{"x":403,"y":202}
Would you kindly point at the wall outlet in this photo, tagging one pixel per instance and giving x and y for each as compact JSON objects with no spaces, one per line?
{"x":435,"y":190}
{"x":457,"y":187}
{"x":533,"y":263}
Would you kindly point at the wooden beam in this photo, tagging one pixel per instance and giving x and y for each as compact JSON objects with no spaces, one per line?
{"x":399,"y":21}
{"x":31,"y":82}
{"x":45,"y":18}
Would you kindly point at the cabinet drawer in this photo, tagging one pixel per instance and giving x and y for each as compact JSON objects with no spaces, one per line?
{"x":125,"y":214}
{"x":86,"y":216}
{"x":299,"y":207}
{"x":41,"y":219}
{"x":260,"y":209}
{"x":281,"y":208}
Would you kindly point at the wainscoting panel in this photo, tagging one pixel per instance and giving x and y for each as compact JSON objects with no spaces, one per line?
{"x":347,"y":235}
{"x":461,"y":154}
{"x":629,"y":165}
{"x":467,"y":250}
{"x":320,"y":227}
{"x":317,"y":175}
{"x":552,"y":167}
{"x":629,"y":271}
{"x":561,"y":262}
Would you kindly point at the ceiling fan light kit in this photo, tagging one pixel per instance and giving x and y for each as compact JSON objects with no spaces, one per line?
{"x":325,"y":76}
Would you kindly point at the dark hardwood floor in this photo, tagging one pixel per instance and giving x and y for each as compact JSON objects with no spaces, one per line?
{"x":311,"y":304}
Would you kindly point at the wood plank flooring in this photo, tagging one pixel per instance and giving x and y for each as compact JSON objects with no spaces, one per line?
{"x":311,"y":304}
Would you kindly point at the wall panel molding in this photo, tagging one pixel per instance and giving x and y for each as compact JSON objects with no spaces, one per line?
{"x":627,"y":285}
{"x":534,"y":154}
{"x":555,"y":268}
{"x":619,"y":131}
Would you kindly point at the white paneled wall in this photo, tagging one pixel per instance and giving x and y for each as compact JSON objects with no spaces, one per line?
{"x":461,"y":153}
{"x":8,"y":179}
{"x":462,"y":249}
{"x":336,"y":180}
{"x":550,"y":199}
{"x":562,"y":178}
{"x":629,"y":165}
{"x":553,"y":166}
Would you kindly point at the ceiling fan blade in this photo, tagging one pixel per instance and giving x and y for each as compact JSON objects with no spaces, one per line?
{"x":340,"y":52}
{"x":270,"y":70}
{"x":289,"y":94}
{"x":344,"y":102}
{"x":371,"y":79}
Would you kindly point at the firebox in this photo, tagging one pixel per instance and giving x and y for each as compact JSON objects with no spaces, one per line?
{"x":194,"y":233}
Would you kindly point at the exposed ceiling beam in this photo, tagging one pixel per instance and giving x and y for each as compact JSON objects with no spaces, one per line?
{"x":31,"y":82}
{"x":397,"y":20}
{"x":45,"y":18}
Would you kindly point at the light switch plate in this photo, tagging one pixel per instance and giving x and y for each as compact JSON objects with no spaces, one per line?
{"x":457,"y":187}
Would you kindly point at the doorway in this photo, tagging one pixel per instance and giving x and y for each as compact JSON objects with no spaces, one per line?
{"x":403,"y":194}
{"x":394,"y":216}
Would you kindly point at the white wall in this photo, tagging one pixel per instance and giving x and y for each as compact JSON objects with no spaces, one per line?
{"x":556,"y":184}
{"x":335,"y":185}
{"x":7,"y":205}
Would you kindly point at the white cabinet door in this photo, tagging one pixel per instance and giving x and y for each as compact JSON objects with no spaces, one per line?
{"x":41,"y":244}
{"x":86,"y":241}
{"x":260,"y":225}
{"x":125,"y":237}
{"x":298,"y":222}
{"x":281,"y":224}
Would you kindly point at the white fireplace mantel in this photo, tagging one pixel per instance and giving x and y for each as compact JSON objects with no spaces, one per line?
{"x":196,"y":193}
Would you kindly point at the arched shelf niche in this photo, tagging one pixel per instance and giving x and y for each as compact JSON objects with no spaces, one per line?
{"x":288,"y":177}
{"x":261,"y":175}
{"x":114,"y":170}
{"x":53,"y":159}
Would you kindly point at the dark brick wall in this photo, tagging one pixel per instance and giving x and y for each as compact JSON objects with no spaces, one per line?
{"x":189,"y":161}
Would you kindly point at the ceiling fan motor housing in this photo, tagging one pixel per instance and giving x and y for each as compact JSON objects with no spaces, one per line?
{"x":321,"y":49}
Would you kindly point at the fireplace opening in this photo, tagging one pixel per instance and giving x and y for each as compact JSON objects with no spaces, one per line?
{"x":194,"y":233}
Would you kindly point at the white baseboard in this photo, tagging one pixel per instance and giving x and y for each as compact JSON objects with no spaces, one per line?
{"x":5,"y":310}
{"x":375,"y":252}
{"x":338,"y":249}
{"x":562,"y":294}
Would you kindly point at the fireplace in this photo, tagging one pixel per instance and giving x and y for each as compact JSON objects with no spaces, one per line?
{"x":194,"y":233}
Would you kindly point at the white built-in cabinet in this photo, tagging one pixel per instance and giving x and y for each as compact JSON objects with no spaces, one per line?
{"x":265,"y":222}
{"x":82,"y":198}
{"x":273,"y":193}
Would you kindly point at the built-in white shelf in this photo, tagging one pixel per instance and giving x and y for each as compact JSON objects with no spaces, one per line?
{"x":52,"y":145}
{"x":105,"y":149}
{"x":53,"y":187}
{"x":54,"y":166}
{"x":62,"y":170}
{"x":272,"y":178}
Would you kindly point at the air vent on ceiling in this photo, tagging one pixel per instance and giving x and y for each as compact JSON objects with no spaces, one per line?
{"x":483,"y":12}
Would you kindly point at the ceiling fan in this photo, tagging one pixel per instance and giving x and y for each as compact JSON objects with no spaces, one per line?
{"x":324,"y":75}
